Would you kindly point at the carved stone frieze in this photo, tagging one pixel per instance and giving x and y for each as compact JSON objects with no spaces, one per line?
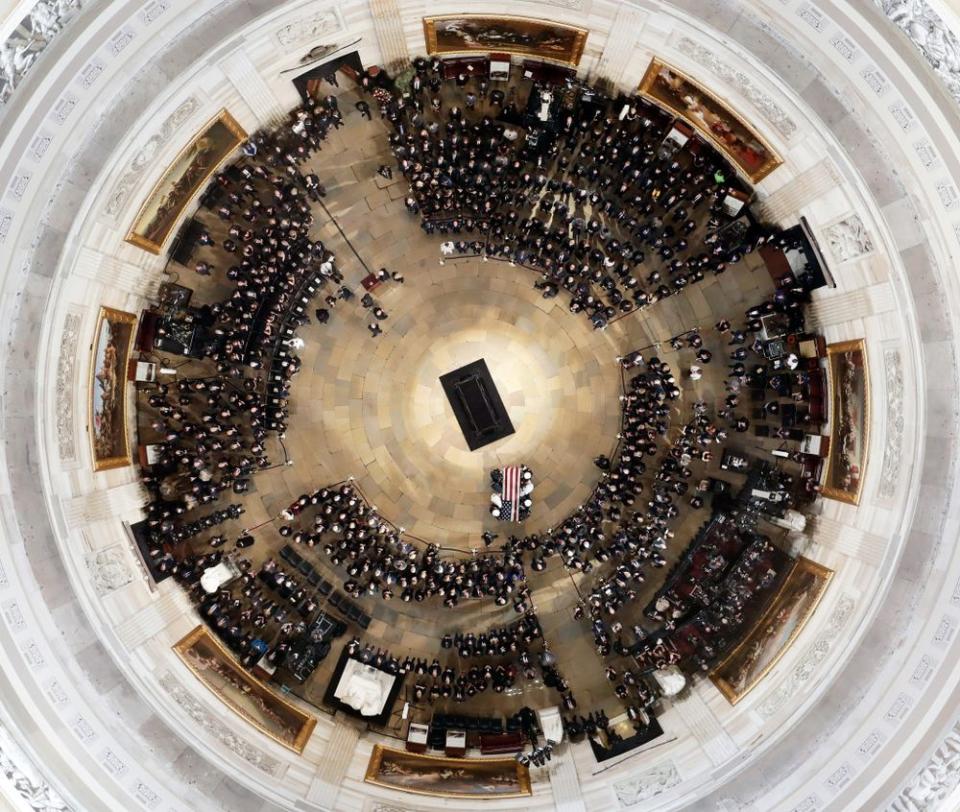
{"x":890,"y":468}
{"x":23,"y":47}
{"x":144,"y":158}
{"x":647,"y":784}
{"x":214,"y":727}
{"x":936,"y":779}
{"x":66,"y":364}
{"x":109,"y":568}
{"x":24,"y":780}
{"x":764,"y":103}
{"x":309,"y":28}
{"x":815,"y":654}
{"x":927,"y":31}
{"x":848,"y":238}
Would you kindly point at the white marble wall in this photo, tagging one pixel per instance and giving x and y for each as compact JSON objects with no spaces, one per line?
{"x":81,"y":149}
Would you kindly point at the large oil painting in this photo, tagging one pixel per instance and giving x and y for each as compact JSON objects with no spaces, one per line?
{"x":670,"y":88}
{"x":850,"y":385}
{"x":160,"y":213}
{"x":543,"y":39}
{"x":774,"y":632}
{"x":447,"y":777}
{"x":246,"y":696}
{"x":108,"y":378}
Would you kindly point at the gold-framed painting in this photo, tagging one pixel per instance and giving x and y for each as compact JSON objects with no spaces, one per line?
{"x":745,"y":147}
{"x":270,"y":713}
{"x":190,"y":170}
{"x":770,"y":637}
{"x":475,"y":778}
{"x":850,"y":420}
{"x":109,"y":442}
{"x":527,"y":36}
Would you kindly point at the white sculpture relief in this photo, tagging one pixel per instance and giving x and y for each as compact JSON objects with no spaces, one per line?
{"x":766,"y":105}
{"x":924,"y":27}
{"x":24,"y":46}
{"x":647,"y":784}
{"x":890,"y":468}
{"x":939,"y":777}
{"x":811,"y":659}
{"x":212,"y":725}
{"x":308,"y":28}
{"x":109,"y":568}
{"x":144,"y":157}
{"x":848,"y":238}
{"x":25,"y":780}
{"x":66,"y":363}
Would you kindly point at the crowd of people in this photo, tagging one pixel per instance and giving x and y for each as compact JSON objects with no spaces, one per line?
{"x":598,"y":204}
{"x":599,"y":208}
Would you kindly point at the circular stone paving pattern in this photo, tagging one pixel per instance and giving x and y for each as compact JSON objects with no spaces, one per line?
{"x":375,"y":410}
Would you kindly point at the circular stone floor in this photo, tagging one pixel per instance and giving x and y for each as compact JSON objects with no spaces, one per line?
{"x":374,"y":409}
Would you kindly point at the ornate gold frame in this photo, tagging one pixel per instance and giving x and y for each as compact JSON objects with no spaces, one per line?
{"x":430,"y":37}
{"x":833,"y":350}
{"x":228,"y":121}
{"x":308,"y":722}
{"x":376,"y":758}
{"x":647,"y":82}
{"x":801,"y":563}
{"x":120,"y":317}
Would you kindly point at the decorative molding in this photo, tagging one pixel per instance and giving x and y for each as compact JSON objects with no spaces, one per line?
{"x":764,"y":103}
{"x":29,"y":39}
{"x":213,"y":726}
{"x":66,"y":386}
{"x":144,"y":158}
{"x":893,"y":385}
{"x":23,"y":779}
{"x":647,"y":784}
{"x":848,"y":238}
{"x":931,"y":36}
{"x":309,"y":28}
{"x":109,"y":568}
{"x":815,"y":654}
{"x":936,"y":779}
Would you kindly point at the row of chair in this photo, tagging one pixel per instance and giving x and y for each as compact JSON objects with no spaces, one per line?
{"x":305,"y":568}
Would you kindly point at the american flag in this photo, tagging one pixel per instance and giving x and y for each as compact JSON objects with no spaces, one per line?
{"x":510,"y":492}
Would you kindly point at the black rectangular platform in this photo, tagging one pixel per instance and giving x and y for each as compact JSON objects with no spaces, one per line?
{"x":476,"y":404}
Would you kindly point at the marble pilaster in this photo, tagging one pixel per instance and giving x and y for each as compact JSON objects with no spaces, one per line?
{"x":705,"y":727}
{"x":800,"y":191}
{"x":388,"y":24}
{"x":839,"y":308}
{"x":118,"y":274}
{"x":121,"y":502}
{"x":850,"y":541}
{"x":154,"y":617}
{"x":248,"y":82}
